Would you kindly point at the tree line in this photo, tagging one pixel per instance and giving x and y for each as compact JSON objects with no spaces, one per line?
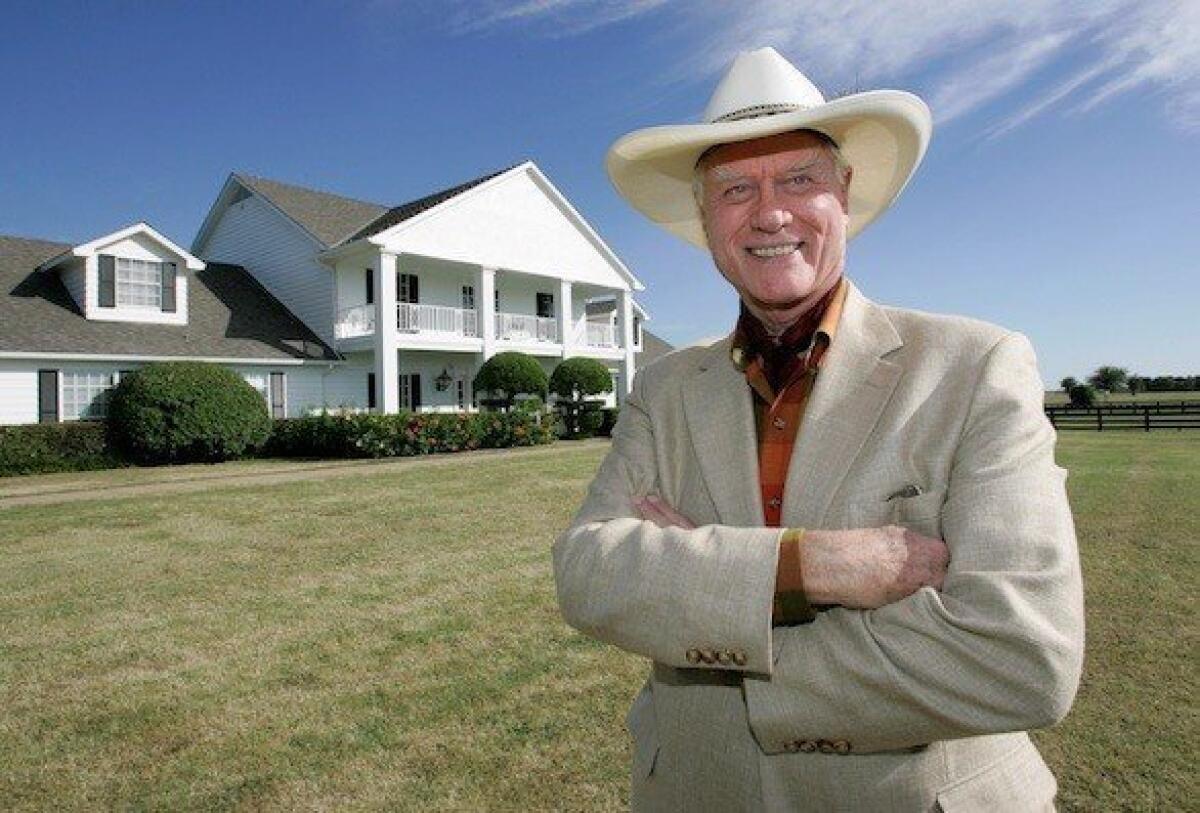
{"x":1112,"y":379}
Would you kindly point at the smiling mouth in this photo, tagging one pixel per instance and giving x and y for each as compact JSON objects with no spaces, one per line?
{"x":766,"y":252}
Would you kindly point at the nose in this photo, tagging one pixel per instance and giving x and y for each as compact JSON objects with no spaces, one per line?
{"x":770,"y":216}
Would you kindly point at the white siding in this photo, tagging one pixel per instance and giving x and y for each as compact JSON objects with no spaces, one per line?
{"x":254,"y":235}
{"x":19,"y":391}
{"x":73,"y":278}
{"x":513,"y":223}
{"x":430,"y":364}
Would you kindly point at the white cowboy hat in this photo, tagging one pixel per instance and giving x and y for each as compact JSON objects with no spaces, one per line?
{"x":881,"y":133}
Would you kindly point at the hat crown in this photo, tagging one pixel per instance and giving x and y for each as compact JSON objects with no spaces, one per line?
{"x":760,"y":83}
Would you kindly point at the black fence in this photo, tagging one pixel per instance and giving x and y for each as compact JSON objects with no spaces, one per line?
{"x":1144,"y":416}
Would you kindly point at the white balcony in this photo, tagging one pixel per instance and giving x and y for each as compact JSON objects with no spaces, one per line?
{"x":517,"y":327}
{"x":354,"y":322}
{"x":436,"y":319}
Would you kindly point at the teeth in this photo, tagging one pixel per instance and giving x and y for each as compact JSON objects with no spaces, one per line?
{"x":774,"y":251}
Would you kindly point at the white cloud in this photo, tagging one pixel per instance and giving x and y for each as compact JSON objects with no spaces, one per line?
{"x":966,"y":53}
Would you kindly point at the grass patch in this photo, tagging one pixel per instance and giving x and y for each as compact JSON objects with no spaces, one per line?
{"x":391,"y":641}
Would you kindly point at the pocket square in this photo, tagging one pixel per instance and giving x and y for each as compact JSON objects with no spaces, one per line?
{"x":905,"y":493}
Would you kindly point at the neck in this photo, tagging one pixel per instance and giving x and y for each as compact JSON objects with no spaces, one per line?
{"x":777,"y":321}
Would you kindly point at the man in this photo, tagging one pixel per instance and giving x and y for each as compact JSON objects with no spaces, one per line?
{"x":839,"y":534}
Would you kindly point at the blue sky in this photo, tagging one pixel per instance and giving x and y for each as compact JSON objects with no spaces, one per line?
{"x":1059,"y":195}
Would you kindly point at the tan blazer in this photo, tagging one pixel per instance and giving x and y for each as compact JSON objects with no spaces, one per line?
{"x":928,"y":697}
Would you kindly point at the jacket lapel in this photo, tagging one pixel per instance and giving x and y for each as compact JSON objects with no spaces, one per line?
{"x":720,"y":421}
{"x":850,"y":393}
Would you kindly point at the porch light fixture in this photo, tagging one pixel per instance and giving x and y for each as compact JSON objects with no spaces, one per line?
{"x":442,"y":382}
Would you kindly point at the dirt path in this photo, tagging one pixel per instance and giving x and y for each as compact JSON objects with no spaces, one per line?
{"x":122,"y":483}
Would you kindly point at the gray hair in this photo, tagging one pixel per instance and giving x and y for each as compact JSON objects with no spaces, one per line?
{"x":840,"y":164}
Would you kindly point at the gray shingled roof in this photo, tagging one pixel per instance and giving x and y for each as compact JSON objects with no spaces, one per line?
{"x":230,"y":315}
{"x":652,"y":348}
{"x":327,"y":217}
{"x":333,"y":219}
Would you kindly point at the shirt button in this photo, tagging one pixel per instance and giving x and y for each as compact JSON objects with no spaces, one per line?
{"x":774,"y":502}
{"x":779,"y":423}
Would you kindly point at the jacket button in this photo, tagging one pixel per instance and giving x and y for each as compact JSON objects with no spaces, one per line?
{"x":807,"y":746}
{"x":825,"y":746}
{"x":739,"y":658}
{"x":708,"y":656}
{"x":724,"y":657}
{"x":841,"y":747}
{"x":791,"y":746}
{"x":693,"y":656}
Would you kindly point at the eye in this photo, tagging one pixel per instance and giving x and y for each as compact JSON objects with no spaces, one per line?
{"x":799,"y":181}
{"x":736,"y":192}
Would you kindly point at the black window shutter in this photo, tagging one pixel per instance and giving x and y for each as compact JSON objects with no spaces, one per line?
{"x":415,"y":391}
{"x":168,"y":287}
{"x":47,"y":396}
{"x":278,"y":407}
{"x":370,"y":286}
{"x":414,"y":289}
{"x":545,"y":305}
{"x":371,"y":391}
{"x":108,"y":281}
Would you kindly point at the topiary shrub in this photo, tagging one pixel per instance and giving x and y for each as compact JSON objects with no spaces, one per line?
{"x":187,"y":412}
{"x":507,"y":375}
{"x":48,"y":447}
{"x":572,"y":382}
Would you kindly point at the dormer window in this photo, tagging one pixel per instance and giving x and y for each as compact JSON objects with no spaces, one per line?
{"x":138,"y":284}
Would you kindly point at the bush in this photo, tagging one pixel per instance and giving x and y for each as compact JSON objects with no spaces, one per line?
{"x":572,"y":382}
{"x":404,"y":435}
{"x":507,"y":375}
{"x":50,"y":447}
{"x":186,"y":412}
{"x":1082,"y":395}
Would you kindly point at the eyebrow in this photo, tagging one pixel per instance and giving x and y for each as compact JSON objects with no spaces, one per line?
{"x":723,"y":173}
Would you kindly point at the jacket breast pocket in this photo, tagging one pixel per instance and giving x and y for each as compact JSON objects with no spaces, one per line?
{"x":920,"y":512}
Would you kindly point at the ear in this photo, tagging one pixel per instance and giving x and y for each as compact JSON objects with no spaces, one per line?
{"x":844,"y":196}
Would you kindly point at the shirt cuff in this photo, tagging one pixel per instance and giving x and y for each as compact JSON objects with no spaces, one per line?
{"x":791,"y":605}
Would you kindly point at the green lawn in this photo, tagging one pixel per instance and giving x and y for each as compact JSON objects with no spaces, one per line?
{"x":392,"y":641}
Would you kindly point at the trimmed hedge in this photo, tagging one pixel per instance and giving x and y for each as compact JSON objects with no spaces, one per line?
{"x":187,"y":412}
{"x":42,"y":448}
{"x":404,"y":435}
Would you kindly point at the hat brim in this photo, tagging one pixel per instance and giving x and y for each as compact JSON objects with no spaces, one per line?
{"x":882,"y":134}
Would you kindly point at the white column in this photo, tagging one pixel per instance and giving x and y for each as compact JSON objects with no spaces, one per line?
{"x":387,"y":367}
{"x":625,"y":323}
{"x":486,"y":307}
{"x":566,"y":320}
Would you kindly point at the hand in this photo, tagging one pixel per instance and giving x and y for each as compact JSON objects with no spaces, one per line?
{"x":654,"y":509}
{"x":867,"y":568}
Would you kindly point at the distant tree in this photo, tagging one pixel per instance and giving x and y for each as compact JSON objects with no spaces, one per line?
{"x":1082,"y":395}
{"x":506,"y":375}
{"x":1067,"y":383}
{"x":1109,"y":379}
{"x":1136,"y":384}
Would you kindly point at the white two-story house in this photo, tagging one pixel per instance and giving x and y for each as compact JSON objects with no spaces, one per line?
{"x":416,"y":297}
{"x":320,"y":301}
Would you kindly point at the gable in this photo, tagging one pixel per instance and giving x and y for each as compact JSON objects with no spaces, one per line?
{"x":519,"y":222}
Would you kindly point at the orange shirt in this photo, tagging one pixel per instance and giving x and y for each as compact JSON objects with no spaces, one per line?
{"x":793,"y":365}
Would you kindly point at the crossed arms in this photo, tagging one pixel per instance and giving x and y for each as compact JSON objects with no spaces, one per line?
{"x":997,"y":647}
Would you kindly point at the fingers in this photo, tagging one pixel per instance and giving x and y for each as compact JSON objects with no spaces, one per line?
{"x":655,"y":509}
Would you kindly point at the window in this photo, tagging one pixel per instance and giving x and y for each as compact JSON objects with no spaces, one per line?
{"x":468,"y":297}
{"x":370,"y":286}
{"x":278,"y":400}
{"x":460,"y":391}
{"x":139,"y":284}
{"x":370,"y":390}
{"x":407,"y":289}
{"x":85,"y":395}
{"x":637,"y":330}
{"x":545,"y":306}
{"x":410,"y":391}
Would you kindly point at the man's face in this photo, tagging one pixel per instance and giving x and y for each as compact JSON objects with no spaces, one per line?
{"x":774,"y":210}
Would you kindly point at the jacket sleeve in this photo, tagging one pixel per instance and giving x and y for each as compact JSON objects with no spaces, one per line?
{"x":663,"y":592}
{"x":999,"y":648}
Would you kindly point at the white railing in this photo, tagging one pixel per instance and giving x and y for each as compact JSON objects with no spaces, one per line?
{"x":411,"y":318}
{"x":519,"y":327}
{"x":600,"y":335}
{"x":356,"y":321}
